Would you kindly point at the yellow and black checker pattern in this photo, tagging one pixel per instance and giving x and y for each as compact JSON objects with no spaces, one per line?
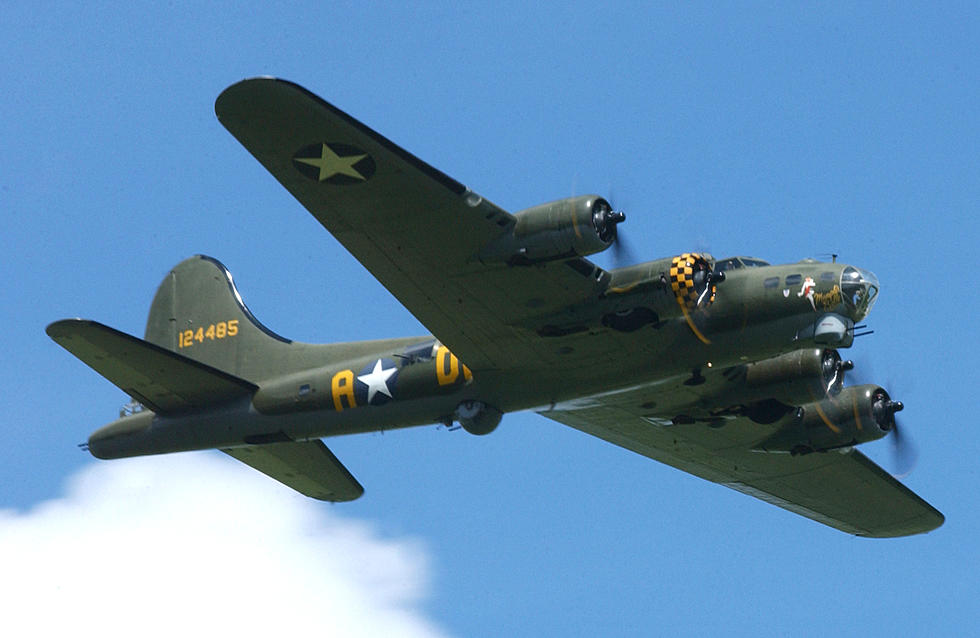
{"x":682,"y":269}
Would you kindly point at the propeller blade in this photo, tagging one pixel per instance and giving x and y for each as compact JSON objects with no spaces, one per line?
{"x":622,"y":254}
{"x":905,"y":454}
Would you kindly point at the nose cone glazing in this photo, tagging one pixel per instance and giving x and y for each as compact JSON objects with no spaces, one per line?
{"x":859,"y":288}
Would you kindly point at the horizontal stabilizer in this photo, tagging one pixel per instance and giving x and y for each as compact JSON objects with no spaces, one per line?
{"x":162,"y":380}
{"x":310,"y":468}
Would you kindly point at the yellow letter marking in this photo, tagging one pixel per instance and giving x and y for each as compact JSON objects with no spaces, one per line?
{"x":342,"y":387}
{"x":447,"y":367}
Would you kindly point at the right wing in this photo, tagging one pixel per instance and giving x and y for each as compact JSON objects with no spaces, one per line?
{"x":417,"y":230}
{"x":844,"y":490}
{"x":308,"y":467}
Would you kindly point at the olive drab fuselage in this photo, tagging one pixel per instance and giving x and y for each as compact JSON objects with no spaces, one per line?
{"x":756,"y":313}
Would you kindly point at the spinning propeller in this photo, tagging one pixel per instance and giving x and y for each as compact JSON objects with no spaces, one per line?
{"x":623,"y":255}
{"x":694,"y":285}
{"x":904,"y":452}
{"x":884,"y":410}
{"x":606,"y":222}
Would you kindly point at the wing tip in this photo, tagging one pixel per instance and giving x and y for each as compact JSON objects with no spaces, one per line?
{"x":334,"y":497}
{"x":258,"y":82}
{"x":922,"y":524}
{"x":237,"y":105}
{"x":64,"y":330}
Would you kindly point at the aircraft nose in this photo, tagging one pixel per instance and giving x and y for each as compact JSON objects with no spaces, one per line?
{"x":859,"y":288}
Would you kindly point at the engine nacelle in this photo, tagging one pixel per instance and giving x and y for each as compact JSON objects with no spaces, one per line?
{"x":477,"y":417}
{"x":563,"y":229}
{"x":800,"y":376}
{"x":855,"y":415}
{"x":771,"y":388}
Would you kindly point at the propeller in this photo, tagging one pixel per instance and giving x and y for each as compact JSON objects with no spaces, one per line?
{"x":834,"y":369}
{"x":623,"y":255}
{"x":711,"y":279}
{"x":693,"y":284}
{"x":904,"y":452}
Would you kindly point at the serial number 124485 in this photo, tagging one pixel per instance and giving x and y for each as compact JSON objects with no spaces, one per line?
{"x":220,"y":330}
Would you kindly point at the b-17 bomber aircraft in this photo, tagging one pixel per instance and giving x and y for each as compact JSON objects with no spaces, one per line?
{"x":727,"y":369}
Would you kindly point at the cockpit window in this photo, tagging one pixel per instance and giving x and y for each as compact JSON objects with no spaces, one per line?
{"x":727,"y":264}
{"x":739,"y":262}
{"x":859,"y":289}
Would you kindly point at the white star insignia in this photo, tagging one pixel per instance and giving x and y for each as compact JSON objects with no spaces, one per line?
{"x":377,"y":380}
{"x":331,"y":164}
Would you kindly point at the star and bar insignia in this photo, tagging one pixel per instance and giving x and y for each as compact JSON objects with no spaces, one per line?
{"x":334,"y":163}
{"x":376,"y":382}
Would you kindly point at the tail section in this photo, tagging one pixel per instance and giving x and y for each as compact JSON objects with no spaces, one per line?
{"x":203,"y":360}
{"x":198,"y":312}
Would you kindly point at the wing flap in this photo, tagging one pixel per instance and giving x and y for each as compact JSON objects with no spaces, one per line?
{"x":846,"y":491}
{"x":162,"y":380}
{"x":309,"y":467}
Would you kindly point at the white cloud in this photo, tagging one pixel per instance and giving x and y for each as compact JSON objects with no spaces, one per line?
{"x":192,"y":544}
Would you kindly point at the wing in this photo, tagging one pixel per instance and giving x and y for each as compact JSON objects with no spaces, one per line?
{"x":413,"y":227}
{"x":308,"y":467}
{"x":843,"y":490}
{"x":164,"y":381}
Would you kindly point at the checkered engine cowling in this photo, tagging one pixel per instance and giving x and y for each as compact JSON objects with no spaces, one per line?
{"x":683,"y":281}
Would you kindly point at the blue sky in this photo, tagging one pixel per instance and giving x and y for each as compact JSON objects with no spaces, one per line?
{"x":746,"y":128}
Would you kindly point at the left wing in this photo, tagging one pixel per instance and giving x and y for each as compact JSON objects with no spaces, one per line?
{"x":417,"y":230}
{"x":844,"y":490}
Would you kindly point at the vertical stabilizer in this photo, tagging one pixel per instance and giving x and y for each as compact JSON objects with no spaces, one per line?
{"x":199,"y":313}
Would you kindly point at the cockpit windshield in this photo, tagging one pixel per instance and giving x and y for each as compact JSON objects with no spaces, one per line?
{"x":860,"y":290}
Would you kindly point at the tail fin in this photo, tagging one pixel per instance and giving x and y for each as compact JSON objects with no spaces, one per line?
{"x":198,"y":313}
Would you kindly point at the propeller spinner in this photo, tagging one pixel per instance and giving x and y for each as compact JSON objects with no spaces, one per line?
{"x":605,"y":220}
